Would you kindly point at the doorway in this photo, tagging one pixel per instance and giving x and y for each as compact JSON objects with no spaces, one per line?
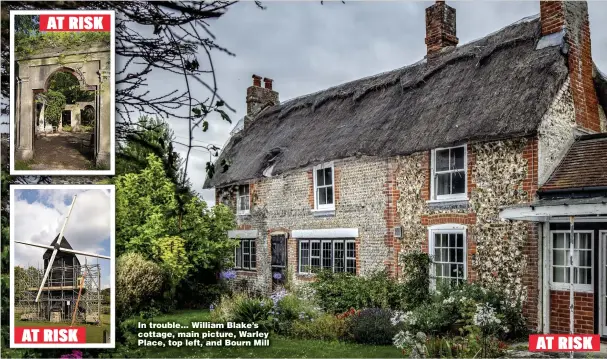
{"x":279,"y":259}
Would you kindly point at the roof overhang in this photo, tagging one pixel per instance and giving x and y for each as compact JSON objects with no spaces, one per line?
{"x":546,"y":210}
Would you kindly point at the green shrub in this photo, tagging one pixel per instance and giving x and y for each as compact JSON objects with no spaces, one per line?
{"x":372,"y":326}
{"x":252,"y":310}
{"x":140,"y":284}
{"x":288,"y":309}
{"x":67,"y":128}
{"x":324,"y":327}
{"x":225,"y":310}
{"x":85,"y":128}
{"x":415,"y":288}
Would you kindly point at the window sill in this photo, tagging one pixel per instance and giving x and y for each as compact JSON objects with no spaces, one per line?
{"x":449,"y":200}
{"x":564,"y":287}
{"x":243,"y":214}
{"x":329,"y":212}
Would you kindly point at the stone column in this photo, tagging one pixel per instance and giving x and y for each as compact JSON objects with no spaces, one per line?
{"x":41,"y":121}
{"x":103,"y":120}
{"x":25,"y":120}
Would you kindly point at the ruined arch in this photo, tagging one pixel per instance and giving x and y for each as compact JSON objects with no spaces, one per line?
{"x":91,"y":66}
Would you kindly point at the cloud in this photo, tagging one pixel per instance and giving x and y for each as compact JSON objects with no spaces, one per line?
{"x":40,"y":214}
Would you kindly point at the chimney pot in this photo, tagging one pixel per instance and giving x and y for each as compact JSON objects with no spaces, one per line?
{"x":267,"y":83}
{"x":256,"y":81}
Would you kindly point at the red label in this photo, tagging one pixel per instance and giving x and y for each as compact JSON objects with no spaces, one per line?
{"x":50,"y":335}
{"x":71,"y":22}
{"x":564,"y":343}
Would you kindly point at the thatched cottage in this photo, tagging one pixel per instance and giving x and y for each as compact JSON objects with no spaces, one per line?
{"x":428,"y":157}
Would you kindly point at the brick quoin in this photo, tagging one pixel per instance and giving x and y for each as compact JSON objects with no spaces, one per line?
{"x":559,"y":312}
{"x":573,"y":17}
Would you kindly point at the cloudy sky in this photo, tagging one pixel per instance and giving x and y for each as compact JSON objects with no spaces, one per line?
{"x":306,"y":47}
{"x":39,"y":216}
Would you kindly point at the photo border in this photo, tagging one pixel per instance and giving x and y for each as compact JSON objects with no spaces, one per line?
{"x":112,"y":81}
{"x":112,"y":343}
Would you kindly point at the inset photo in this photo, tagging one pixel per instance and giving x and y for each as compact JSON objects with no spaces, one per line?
{"x":62,"y":266}
{"x":62,"y":113}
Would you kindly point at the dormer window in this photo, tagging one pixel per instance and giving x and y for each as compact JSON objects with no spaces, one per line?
{"x":324,"y":195}
{"x":244,"y":199}
{"x":449,"y":174}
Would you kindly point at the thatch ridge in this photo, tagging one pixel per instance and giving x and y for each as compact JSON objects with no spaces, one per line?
{"x":493,"y":88}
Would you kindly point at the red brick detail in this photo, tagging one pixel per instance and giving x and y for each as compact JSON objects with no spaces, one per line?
{"x":427,"y":175}
{"x":244,"y":226}
{"x":440,"y":27}
{"x":531,"y":277}
{"x":553,"y":18}
{"x":311,"y":188}
{"x":559,"y":312}
{"x":447,"y":218}
{"x":392,"y":220}
{"x":530,"y":153}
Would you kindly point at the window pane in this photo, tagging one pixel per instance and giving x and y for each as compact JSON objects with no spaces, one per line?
{"x":457,"y":158}
{"x":437,"y":255}
{"x":351,"y":266}
{"x":244,"y":190}
{"x":315,"y":255}
{"x":443,"y":184}
{"x":458,"y":184}
{"x":351,"y":249}
{"x":327,"y":258}
{"x":329,"y":195}
{"x":304,"y":253}
{"x":460,"y":256}
{"x":558,"y":240}
{"x":585,"y":258}
{"x":452,"y":240}
{"x":439,"y":270}
{"x":322,"y":196}
{"x":558,"y":258}
{"x":558,"y":274}
{"x":253,"y":254}
{"x":320,"y":179}
{"x":442,"y":160}
{"x":460,"y":240}
{"x":582,"y":276}
{"x":583,"y":240}
{"x":328,"y":176}
{"x":246,"y":256}
{"x":339,"y":253}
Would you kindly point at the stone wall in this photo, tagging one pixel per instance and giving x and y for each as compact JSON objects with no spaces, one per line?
{"x":556,"y":132}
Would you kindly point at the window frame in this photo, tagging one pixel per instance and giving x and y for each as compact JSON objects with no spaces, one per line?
{"x":252,"y":245}
{"x":433,"y":173}
{"x":324,"y":207}
{"x":308,"y":270}
{"x":584,"y":288}
{"x":447,"y":229}
{"x":238,"y":196}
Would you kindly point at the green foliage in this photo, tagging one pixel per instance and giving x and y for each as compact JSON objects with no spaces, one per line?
{"x":30,"y":41}
{"x":372,"y":326}
{"x":139,"y":284}
{"x":54,"y":107}
{"x":338,"y":292}
{"x":87,"y":116}
{"x":252,"y":310}
{"x":225,"y":309}
{"x":86,"y":128}
{"x":171,"y":251}
{"x":324,"y":327}
{"x":415,"y":288}
{"x":69,"y":86}
{"x":67,"y":128}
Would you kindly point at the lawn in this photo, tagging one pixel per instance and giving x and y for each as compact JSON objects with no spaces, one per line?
{"x":280,"y":347}
{"x":94,"y":333}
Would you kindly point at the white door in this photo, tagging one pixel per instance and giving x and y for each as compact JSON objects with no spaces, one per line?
{"x":603,"y":284}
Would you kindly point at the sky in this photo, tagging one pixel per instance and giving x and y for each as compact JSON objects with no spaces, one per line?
{"x":307,"y":47}
{"x":40,"y":214}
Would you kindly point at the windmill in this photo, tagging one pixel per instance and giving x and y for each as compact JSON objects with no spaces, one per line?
{"x":66,"y":291}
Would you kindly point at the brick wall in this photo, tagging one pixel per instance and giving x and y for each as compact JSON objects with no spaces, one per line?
{"x":559,"y":312}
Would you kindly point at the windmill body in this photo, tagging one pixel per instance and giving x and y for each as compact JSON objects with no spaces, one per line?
{"x":52,"y":291}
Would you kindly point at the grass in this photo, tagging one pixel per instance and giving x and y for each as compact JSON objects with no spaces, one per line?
{"x":280,"y":347}
{"x":23,"y":165}
{"x":94,"y":333}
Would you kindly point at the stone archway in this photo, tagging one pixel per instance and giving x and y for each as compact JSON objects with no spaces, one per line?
{"x":92,"y":69}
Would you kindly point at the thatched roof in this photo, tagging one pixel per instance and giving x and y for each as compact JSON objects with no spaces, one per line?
{"x":496,"y":87}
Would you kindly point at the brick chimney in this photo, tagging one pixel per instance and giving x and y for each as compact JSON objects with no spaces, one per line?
{"x":571,"y":17}
{"x":440,"y":28}
{"x":259,"y":98}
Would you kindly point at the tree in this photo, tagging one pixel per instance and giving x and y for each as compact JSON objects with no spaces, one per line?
{"x":54,"y":107}
{"x":147,"y":222}
{"x":69,"y":86}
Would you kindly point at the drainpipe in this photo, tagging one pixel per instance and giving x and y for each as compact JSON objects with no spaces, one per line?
{"x":571,"y":270}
